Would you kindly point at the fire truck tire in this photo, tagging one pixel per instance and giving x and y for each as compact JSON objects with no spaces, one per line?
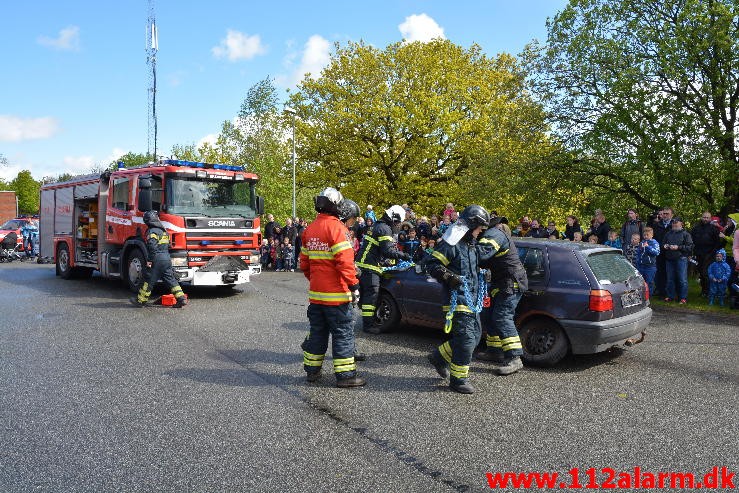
{"x":134,"y":273}
{"x":63,"y":269}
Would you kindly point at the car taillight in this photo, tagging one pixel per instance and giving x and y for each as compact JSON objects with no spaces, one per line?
{"x":646,"y":291}
{"x":600,"y":300}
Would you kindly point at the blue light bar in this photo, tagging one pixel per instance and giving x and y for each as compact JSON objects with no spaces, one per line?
{"x":205,"y":242}
{"x":239,"y":242}
{"x":196,"y":164}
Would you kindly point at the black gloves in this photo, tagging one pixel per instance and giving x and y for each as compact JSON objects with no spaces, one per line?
{"x":355,"y":293}
{"x":451,"y":279}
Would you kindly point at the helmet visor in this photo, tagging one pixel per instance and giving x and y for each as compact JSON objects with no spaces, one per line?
{"x":455,"y":232}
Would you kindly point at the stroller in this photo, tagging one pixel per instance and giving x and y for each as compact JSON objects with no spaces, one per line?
{"x":9,"y":248}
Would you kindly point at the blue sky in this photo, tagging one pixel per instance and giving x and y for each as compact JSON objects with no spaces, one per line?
{"x":75,"y":80}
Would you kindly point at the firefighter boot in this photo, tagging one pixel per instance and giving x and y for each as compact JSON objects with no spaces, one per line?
{"x":511,"y":366}
{"x":355,"y":381}
{"x":494,"y":357}
{"x":135,"y":302}
{"x":462,"y":386}
{"x":181,"y":301}
{"x":440,"y":366}
{"x":313,"y":376}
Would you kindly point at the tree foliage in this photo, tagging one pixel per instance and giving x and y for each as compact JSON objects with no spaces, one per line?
{"x":27,"y":189}
{"x":423,"y":123}
{"x":645,"y":96}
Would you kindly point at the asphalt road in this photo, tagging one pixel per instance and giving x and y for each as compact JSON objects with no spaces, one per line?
{"x":96,"y":395}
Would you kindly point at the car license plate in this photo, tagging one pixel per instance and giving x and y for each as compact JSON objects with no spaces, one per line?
{"x":630,"y":298}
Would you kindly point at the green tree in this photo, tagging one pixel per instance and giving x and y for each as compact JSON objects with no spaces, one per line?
{"x":27,"y":189}
{"x":423,"y":123}
{"x":645,"y":96}
{"x":131,"y":159}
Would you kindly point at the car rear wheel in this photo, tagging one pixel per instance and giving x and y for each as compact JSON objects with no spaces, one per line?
{"x":387,"y":314}
{"x":544,"y":342}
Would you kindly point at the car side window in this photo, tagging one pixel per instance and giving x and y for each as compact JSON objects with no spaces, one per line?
{"x":533,"y":261}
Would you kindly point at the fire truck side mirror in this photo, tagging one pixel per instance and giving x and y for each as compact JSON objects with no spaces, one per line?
{"x":260,"y":205}
{"x":144,"y":202}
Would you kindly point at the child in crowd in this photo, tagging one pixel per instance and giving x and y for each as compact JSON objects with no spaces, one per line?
{"x":646,"y":257}
{"x":411,"y":243}
{"x":273,"y":253}
{"x":718,"y":275}
{"x":593,"y":239}
{"x":630,"y":249}
{"x":264,"y":253}
{"x":577,"y":236}
{"x":353,"y":241}
{"x":285,"y":261}
{"x":431,"y":245}
{"x":445,"y":223}
{"x":615,"y":242}
{"x":421,"y":250}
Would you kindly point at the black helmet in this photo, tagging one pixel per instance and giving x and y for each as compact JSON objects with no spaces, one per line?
{"x":348,"y":209}
{"x":474,"y":216}
{"x":328,"y":201}
{"x":151,"y":218}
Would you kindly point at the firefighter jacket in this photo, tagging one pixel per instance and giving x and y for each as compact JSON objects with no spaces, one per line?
{"x":157,"y":242}
{"x":327,"y":261}
{"x":461,"y":259}
{"x":377,"y":245}
{"x":499,"y":254}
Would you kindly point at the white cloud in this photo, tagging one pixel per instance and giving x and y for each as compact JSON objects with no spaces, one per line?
{"x":16,"y":129}
{"x":316,"y":56}
{"x":420,"y":28}
{"x":208,"y":139}
{"x":239,"y":46}
{"x":68,"y":40}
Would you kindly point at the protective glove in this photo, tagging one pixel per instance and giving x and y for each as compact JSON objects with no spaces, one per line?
{"x":355,"y":293}
{"x":451,"y":279}
{"x":403,"y":256}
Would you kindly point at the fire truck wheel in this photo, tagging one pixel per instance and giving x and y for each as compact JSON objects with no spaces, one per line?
{"x":135,"y":265}
{"x":63,"y":268}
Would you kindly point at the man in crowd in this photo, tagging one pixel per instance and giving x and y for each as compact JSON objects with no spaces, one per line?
{"x":662,"y":224}
{"x":707,"y":241}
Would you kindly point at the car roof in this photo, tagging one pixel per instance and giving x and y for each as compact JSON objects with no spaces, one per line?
{"x":586,"y":248}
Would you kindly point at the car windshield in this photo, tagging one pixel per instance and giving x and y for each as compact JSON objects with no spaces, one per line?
{"x":212,"y":198}
{"x":13,"y":224}
{"x":610,"y":267}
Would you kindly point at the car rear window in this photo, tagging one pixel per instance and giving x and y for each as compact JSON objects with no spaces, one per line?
{"x":610,"y":267}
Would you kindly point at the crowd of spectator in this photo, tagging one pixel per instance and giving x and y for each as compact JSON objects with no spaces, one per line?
{"x":660,"y":246}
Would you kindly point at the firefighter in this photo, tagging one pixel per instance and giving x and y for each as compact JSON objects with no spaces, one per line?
{"x":454,"y":262}
{"x":327,"y":261}
{"x":348,"y":214}
{"x":377,"y":247}
{"x":508,"y":283}
{"x":159,"y":263}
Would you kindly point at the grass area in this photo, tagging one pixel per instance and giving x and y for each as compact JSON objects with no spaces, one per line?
{"x":697,"y":303}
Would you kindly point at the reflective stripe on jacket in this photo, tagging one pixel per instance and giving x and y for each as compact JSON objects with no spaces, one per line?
{"x":377,"y":245}
{"x":327,"y":261}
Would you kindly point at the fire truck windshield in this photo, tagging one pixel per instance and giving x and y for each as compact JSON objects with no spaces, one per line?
{"x":212,"y":198}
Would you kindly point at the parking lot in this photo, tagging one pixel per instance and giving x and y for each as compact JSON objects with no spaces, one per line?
{"x":96,"y":395}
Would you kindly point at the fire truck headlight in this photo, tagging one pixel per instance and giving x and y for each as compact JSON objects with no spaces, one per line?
{"x":179,"y":261}
{"x":254,"y":259}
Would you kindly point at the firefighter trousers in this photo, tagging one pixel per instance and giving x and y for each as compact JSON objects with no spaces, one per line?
{"x":336,"y":321}
{"x":369,"y":290}
{"x":161,"y":269}
{"x":457,"y":351}
{"x":502,"y":337}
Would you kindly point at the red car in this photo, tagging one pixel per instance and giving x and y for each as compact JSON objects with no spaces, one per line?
{"x":14,"y":225}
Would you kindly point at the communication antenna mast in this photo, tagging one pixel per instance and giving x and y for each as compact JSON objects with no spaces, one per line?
{"x":152,"y":46}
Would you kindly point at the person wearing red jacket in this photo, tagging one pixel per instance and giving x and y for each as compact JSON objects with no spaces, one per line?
{"x":327,"y":261}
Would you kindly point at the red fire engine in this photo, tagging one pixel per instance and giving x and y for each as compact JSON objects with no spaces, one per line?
{"x":211,"y":212}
